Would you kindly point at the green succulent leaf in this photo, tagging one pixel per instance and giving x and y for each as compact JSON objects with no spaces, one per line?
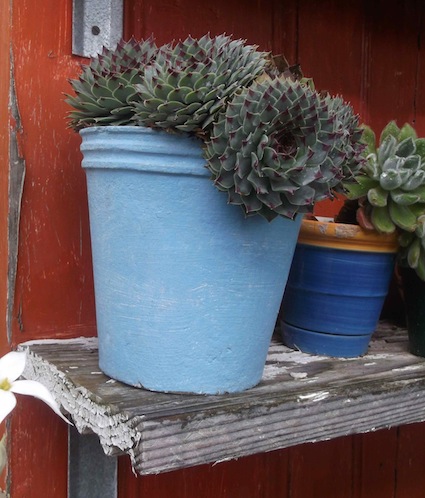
{"x":418,"y":209}
{"x":413,"y":253}
{"x":382,"y":220}
{"x":391,"y":179}
{"x":420,"y":229}
{"x":371,"y":167}
{"x":414,"y":181}
{"x":399,"y":196}
{"x":356,"y":190}
{"x":405,"y":238}
{"x":377,"y":197}
{"x":420,"y":192}
{"x":420,"y":148}
{"x":407,"y":131}
{"x":369,"y":139}
{"x":386,"y":150}
{"x":405,"y":148}
{"x":402,"y":216}
{"x":391,"y":129}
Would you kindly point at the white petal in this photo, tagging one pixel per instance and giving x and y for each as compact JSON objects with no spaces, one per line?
{"x":7,"y":404}
{"x":12,"y":365}
{"x":34,"y":388}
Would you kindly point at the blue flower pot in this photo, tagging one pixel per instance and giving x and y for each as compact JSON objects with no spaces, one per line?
{"x":336,"y":289}
{"x":187,"y":290}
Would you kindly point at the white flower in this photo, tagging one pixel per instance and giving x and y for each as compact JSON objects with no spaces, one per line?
{"x":11,"y":368}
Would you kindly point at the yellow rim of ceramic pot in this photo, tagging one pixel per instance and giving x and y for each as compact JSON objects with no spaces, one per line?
{"x":348,"y":237}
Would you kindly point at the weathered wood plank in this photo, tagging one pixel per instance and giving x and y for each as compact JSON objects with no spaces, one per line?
{"x":301,"y":398}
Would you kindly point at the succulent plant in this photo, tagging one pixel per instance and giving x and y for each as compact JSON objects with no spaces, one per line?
{"x":280,"y":146}
{"x":390,"y":190}
{"x":271,"y":141}
{"x":189,"y":83}
{"x":105,"y":86}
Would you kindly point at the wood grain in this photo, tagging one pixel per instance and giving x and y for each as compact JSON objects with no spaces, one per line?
{"x":300,"y":399}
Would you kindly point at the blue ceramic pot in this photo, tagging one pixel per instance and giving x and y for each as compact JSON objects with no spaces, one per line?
{"x":336,"y":289}
{"x":187,"y":290}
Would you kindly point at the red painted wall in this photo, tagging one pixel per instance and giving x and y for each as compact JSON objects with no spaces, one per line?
{"x":4,"y":161}
{"x":54,"y":291}
{"x":385,"y":464}
{"x":367,"y":51}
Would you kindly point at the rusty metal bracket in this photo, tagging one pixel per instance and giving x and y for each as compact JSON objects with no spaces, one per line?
{"x":96,"y":23}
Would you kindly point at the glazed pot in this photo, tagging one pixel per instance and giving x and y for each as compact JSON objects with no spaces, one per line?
{"x":336,"y":289}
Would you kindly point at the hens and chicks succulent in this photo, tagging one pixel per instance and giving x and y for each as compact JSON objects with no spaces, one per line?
{"x":272,"y":142}
{"x":390,"y":190}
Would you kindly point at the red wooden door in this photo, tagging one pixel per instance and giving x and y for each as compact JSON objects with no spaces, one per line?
{"x":370,"y":52}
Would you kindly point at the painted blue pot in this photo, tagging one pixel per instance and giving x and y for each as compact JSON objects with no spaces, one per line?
{"x":187,"y":290}
{"x":336,"y":289}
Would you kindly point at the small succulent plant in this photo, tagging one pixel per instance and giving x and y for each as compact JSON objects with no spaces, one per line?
{"x":280,"y":146}
{"x":189,"y":83}
{"x":390,"y":190}
{"x":106,"y":85}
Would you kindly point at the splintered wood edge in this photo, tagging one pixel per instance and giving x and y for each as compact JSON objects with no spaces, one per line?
{"x":255,"y":424}
{"x":224,"y":436}
{"x":117,"y":433}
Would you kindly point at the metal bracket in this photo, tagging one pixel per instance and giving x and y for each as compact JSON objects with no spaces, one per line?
{"x":96,"y":23}
{"x":90,"y":472}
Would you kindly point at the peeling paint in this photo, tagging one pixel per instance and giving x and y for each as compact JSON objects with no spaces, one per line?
{"x":16,"y":186}
{"x":83,"y":342}
{"x":408,"y":368}
{"x":298,"y":375}
{"x":319,"y":396}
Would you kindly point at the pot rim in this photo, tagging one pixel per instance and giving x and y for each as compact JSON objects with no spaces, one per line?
{"x":346,"y":237}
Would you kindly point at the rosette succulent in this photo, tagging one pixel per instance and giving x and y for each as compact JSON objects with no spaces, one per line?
{"x":105,"y":86}
{"x":279,"y":146}
{"x":270,"y":140}
{"x":176,"y":87}
{"x":390,"y":190}
{"x":189,"y":83}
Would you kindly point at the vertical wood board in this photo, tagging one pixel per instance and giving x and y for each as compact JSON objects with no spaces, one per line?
{"x":374,"y":464}
{"x":410,"y":475}
{"x":391,"y":45}
{"x":54,"y":281}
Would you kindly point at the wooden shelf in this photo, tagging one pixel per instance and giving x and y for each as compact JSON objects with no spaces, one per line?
{"x":301,"y":398}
